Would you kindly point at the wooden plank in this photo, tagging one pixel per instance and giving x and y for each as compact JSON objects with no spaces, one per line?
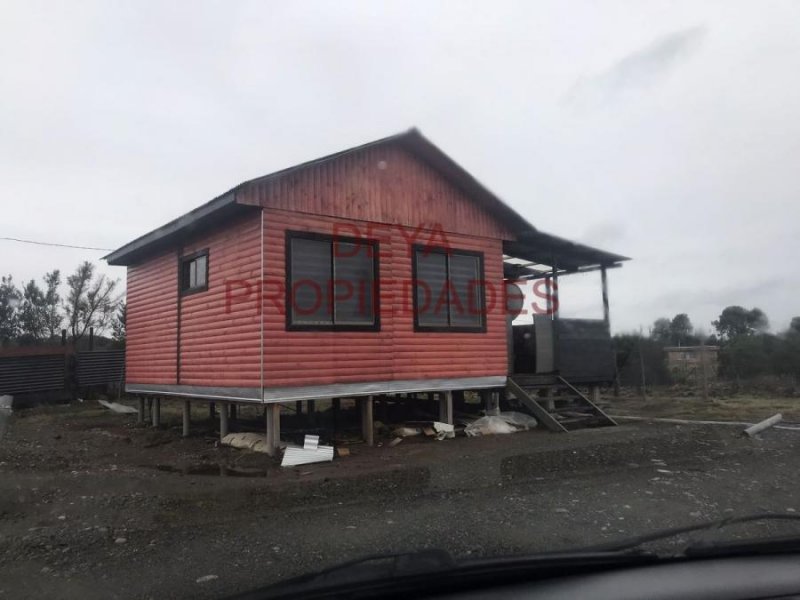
{"x":531,"y":404}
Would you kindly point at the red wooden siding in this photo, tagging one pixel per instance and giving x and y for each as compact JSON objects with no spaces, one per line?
{"x":382,"y":192}
{"x":220,"y":342}
{"x":150,"y":354}
{"x":384,"y":184}
{"x":396,"y":352}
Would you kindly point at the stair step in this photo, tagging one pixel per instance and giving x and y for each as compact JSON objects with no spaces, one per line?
{"x":571,"y":408}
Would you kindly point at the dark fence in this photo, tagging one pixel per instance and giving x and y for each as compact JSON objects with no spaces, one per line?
{"x":100,"y":367}
{"x":60,"y":370}
{"x":27,"y":374}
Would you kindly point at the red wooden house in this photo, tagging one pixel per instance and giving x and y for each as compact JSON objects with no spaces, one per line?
{"x":377,"y":270}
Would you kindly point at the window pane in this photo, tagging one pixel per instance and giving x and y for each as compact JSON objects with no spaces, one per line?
{"x":200,"y":278}
{"x":192,"y":274}
{"x":353,"y":284}
{"x":466,"y":291}
{"x":311,"y":280}
{"x":431,"y":289}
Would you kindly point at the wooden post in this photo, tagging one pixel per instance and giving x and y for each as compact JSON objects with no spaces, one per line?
{"x":367,"y":421}
{"x":212,"y":410}
{"x":155,"y":412}
{"x":233,"y":411}
{"x":311,"y":409}
{"x":604,"y":284}
{"x":446,"y":407}
{"x":140,"y":416}
{"x":298,"y":407}
{"x":704,"y":372}
{"x":549,"y":401}
{"x":641,"y":366}
{"x":223,"y":420}
{"x":595,"y":394}
{"x":336,"y":404}
{"x":273,"y":428}
{"x":491,"y":402}
{"x":187,"y":417}
{"x":556,"y":307}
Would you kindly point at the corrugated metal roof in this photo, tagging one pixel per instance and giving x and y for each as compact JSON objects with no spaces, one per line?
{"x":412,"y":141}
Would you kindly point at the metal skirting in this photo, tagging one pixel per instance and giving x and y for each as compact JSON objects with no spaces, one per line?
{"x":195,"y":391}
{"x":336,"y":390}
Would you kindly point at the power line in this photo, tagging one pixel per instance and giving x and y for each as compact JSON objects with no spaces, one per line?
{"x":36,"y":243}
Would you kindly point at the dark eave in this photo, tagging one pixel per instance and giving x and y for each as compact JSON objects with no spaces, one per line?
{"x":204,"y":216}
{"x":545,"y":249}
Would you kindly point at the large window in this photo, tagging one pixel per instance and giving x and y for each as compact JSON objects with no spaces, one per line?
{"x":194,"y":272}
{"x":331,"y":282}
{"x":449,"y":293}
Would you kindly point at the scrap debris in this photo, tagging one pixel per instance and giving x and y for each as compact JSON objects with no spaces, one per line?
{"x":118,"y":408}
{"x":505,"y":422}
{"x":257,"y":442}
{"x":765,"y":424}
{"x":311,"y":452}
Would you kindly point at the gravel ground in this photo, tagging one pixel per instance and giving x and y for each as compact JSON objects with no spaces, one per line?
{"x":94,"y":506}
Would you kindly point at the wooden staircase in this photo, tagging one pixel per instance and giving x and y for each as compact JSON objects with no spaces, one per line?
{"x":565,"y":408}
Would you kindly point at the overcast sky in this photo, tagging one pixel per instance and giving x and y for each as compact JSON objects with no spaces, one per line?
{"x":665,"y":131}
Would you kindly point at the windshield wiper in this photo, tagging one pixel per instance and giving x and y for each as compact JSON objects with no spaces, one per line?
{"x":706,"y":548}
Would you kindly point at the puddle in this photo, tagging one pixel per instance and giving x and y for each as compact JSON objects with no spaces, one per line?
{"x":213,"y":469}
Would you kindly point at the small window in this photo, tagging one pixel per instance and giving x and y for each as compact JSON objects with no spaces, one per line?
{"x":449,"y":291}
{"x":331,"y":282}
{"x":194,"y":272}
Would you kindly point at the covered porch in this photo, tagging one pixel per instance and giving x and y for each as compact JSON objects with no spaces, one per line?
{"x":551,"y":357}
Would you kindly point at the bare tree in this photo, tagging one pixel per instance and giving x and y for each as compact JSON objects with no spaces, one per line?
{"x":91,"y":301}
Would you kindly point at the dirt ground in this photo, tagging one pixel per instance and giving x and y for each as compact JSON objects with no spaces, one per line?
{"x":741,"y":407}
{"x":93,"y":505}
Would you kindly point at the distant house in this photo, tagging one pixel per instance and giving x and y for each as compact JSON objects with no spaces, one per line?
{"x":378,"y":270}
{"x":685,"y":363}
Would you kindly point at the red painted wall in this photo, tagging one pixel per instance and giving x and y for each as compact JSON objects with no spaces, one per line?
{"x":220,"y":340}
{"x":382,"y":184}
{"x":396,"y":352}
{"x":151,"y":322}
{"x":220,"y":329}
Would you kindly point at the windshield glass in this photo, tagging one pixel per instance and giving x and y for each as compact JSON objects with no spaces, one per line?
{"x":287,"y":285}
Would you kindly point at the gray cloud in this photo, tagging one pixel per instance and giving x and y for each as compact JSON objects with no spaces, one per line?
{"x":640,"y":69}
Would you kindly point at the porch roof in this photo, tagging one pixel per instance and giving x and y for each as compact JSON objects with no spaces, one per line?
{"x":542,"y":252}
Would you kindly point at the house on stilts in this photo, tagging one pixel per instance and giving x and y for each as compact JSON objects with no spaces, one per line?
{"x":380,"y":271}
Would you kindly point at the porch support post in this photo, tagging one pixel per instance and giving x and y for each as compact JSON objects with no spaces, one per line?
{"x":604,"y":283}
{"x":140,"y":416}
{"x":595,"y":394}
{"x":555,"y":308}
{"x":273,"y":428}
{"x":155,"y":412}
{"x":223,"y":420}
{"x":187,"y":417}
{"x":311,"y":409}
{"x":491,"y":402}
{"x":446,"y":407}
{"x":233,"y":411}
{"x":367,"y":421}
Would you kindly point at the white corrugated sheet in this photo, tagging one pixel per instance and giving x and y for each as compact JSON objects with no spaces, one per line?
{"x":311,"y":452}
